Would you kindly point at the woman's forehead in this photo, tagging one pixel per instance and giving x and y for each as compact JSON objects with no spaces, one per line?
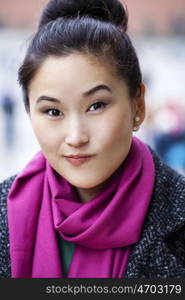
{"x":74,"y":71}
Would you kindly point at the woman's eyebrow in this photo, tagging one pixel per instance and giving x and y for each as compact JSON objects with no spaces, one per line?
{"x":85,"y":94}
{"x":47,"y":98}
{"x":96,"y":89}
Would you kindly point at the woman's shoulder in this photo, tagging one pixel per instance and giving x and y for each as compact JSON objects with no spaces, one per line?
{"x":168,"y":201}
{"x":5,"y":186}
{"x":166,"y":174}
{"x":160,"y":251}
{"x":5,"y":269}
{"x":4,"y":190}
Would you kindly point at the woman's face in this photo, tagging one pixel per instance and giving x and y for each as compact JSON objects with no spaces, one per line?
{"x":78,"y":106}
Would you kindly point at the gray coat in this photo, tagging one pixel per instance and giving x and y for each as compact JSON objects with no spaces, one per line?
{"x":161,"y":249}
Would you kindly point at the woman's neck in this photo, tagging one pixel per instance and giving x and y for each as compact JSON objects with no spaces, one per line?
{"x":84,"y":195}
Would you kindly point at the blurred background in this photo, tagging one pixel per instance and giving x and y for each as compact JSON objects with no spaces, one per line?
{"x":157,"y":29}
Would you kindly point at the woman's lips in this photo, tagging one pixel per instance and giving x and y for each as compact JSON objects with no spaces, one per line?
{"x":77,"y":161}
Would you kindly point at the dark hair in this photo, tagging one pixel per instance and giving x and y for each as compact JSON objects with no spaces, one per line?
{"x":96,"y":27}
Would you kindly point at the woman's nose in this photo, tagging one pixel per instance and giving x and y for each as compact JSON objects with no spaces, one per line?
{"x":76,"y":134}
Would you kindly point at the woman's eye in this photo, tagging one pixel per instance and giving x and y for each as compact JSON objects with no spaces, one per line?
{"x":98,"y":105}
{"x":53,"y":112}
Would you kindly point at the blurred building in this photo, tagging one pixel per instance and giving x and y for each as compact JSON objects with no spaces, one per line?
{"x":149,"y":17}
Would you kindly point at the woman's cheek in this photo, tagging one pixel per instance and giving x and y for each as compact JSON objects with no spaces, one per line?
{"x":46,"y":137}
{"x":118,"y":128}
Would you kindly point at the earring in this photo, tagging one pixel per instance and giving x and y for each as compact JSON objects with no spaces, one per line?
{"x":136,"y":119}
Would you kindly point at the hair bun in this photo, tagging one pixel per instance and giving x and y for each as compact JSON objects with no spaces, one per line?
{"x":105,"y":10}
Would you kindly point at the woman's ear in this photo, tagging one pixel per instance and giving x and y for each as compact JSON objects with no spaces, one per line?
{"x":139,"y":108}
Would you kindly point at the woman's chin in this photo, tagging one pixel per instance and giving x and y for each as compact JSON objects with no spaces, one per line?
{"x":85,"y":183}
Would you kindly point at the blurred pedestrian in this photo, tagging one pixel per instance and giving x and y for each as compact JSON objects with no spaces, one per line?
{"x":8,"y":107}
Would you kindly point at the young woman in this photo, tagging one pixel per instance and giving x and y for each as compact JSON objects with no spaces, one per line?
{"x":95,"y":201}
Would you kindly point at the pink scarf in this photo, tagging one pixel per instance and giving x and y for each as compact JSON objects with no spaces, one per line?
{"x":41,"y":202}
